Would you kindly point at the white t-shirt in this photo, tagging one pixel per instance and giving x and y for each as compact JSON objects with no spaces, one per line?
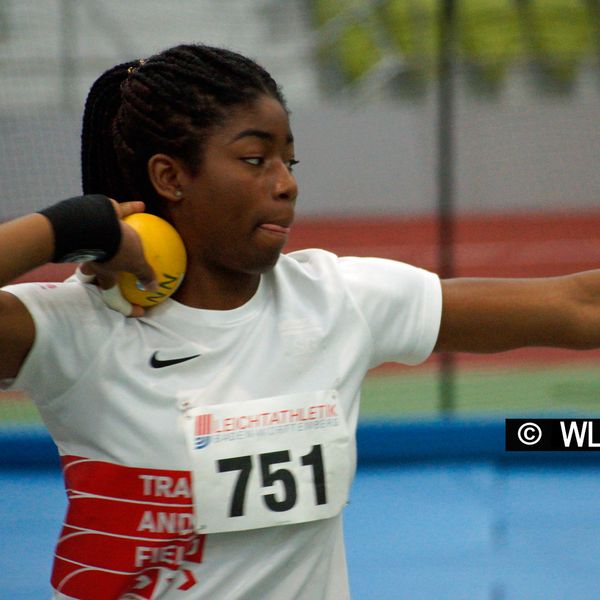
{"x":142,"y":410}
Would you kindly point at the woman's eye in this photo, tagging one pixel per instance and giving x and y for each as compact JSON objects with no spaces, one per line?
{"x":254,"y":160}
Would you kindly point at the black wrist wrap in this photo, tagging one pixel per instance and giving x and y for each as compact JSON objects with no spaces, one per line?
{"x":85,"y":228}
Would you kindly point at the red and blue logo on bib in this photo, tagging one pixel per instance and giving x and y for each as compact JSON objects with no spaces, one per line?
{"x":202,"y":431}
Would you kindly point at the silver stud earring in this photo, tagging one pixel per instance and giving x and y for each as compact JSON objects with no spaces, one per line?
{"x":178,"y":194}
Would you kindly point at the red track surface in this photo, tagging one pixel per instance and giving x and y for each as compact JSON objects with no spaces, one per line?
{"x":528,"y":245}
{"x":514,"y":245}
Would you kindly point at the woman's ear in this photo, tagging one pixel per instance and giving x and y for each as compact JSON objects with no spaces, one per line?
{"x":168,"y":176}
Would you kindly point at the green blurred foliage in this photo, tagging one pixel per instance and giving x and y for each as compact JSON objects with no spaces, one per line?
{"x":560,"y":35}
{"x":490,"y":36}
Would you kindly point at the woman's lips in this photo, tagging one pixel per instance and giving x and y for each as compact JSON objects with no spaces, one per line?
{"x":274,"y":228}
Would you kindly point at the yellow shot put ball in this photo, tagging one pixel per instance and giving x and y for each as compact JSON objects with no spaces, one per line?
{"x":165,"y":253}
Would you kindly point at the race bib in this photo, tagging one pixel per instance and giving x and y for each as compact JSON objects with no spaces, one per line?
{"x":273,"y":461}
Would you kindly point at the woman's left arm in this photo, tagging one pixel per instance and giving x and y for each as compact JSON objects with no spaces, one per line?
{"x":493,"y":315}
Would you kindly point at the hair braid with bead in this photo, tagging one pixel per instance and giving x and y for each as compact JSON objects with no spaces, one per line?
{"x":167,"y":104}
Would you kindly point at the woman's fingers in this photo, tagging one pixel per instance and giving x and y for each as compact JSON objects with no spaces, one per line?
{"x":133,"y":254}
{"x":124,"y":209}
{"x":129,"y":258}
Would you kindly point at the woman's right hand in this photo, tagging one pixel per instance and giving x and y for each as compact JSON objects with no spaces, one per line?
{"x":130,"y":257}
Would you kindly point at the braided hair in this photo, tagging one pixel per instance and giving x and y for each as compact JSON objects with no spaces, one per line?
{"x":167,"y":104}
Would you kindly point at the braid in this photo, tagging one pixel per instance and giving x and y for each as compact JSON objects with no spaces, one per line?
{"x":100,"y":171}
{"x":165,"y":104}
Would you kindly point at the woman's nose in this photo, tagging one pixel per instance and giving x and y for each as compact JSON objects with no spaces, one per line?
{"x":286,"y":186}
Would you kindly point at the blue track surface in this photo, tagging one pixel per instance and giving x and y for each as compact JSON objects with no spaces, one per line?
{"x":438,"y":511}
{"x":469,"y":530}
{"x":474,"y":531}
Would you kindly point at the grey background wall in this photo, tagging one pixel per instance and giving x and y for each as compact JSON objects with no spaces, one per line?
{"x":375,"y":159}
{"x":521,"y":149}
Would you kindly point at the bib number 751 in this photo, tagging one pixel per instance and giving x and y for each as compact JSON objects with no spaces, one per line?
{"x":270,"y":473}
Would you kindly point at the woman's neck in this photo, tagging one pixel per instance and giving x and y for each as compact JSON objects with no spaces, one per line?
{"x":220,"y":290}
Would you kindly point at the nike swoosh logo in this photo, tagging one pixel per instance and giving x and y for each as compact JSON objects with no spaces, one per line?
{"x":157,"y":363}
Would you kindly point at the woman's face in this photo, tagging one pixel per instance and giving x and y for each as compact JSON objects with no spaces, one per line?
{"x":237,"y":210}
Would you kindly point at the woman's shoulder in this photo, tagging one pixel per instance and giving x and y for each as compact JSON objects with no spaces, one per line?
{"x":68,"y":298}
{"x":53,"y":291}
{"x":308,"y":259}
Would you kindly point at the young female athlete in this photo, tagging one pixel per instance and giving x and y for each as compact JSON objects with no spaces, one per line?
{"x":208,"y":445}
